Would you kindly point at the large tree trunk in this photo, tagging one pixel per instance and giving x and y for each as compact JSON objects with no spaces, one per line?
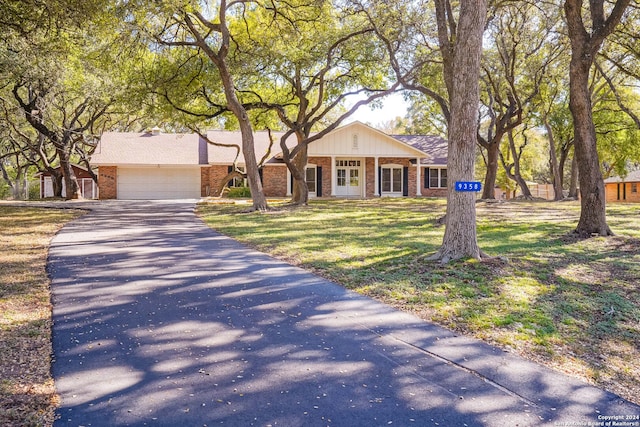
{"x":297,"y":165}
{"x":562,"y":163}
{"x":251,"y":165}
{"x":489,"y":190}
{"x":520,"y":182}
{"x":17,"y":184}
{"x":526,"y":192}
{"x":585,"y":45}
{"x":246,"y":130}
{"x":573,"y":185}
{"x":460,"y":236}
{"x":236,"y":107}
{"x":70,"y":181}
{"x":592,"y":214}
{"x":300,"y":190}
{"x":553,"y":163}
{"x":56,"y":181}
{"x":90,"y":171}
{"x":18,"y":190}
{"x":517,"y":175}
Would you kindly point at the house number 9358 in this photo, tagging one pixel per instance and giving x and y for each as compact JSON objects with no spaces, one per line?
{"x":468,"y":186}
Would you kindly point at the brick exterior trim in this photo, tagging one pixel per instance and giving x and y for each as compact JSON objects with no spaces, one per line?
{"x":275,"y":178}
{"x":108,"y":182}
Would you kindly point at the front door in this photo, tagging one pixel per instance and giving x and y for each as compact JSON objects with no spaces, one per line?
{"x":348,"y":179}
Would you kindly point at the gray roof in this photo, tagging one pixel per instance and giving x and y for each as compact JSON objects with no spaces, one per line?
{"x":137,"y":148}
{"x":633,"y":176}
{"x":436,"y":146}
{"x":167,"y":149}
{"x":227,"y":155}
{"x":219,"y":154}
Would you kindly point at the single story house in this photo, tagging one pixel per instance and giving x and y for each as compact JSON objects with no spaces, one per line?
{"x":88,"y":187}
{"x":354,"y":160}
{"x":623,"y":189}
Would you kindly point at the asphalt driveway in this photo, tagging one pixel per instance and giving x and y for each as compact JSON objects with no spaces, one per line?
{"x":160,"y":321}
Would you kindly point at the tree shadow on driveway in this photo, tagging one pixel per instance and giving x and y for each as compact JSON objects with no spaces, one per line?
{"x":160,"y":321}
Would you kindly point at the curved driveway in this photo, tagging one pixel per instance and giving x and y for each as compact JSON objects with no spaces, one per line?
{"x":160,"y":321}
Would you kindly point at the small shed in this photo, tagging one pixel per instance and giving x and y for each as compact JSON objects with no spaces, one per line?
{"x":625,"y":189}
{"x":88,"y":187}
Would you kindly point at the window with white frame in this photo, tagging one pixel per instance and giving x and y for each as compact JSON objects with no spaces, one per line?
{"x":348,"y":163}
{"x":342,"y":177}
{"x":437,"y":178}
{"x":391,"y":179}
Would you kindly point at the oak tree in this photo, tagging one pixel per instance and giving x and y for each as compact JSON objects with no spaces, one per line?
{"x":523,"y":45}
{"x":206,"y":31}
{"x":311,"y":57}
{"x":54,"y":91}
{"x":588,"y":27}
{"x":460,"y":44}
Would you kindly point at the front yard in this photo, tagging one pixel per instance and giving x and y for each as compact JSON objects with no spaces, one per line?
{"x":27,"y":394}
{"x":570,"y":304}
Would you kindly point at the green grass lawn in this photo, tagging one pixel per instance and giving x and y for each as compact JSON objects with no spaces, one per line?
{"x":27,"y":394}
{"x":568,"y":303}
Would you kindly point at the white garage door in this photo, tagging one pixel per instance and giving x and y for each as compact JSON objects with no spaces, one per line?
{"x":158,"y":183}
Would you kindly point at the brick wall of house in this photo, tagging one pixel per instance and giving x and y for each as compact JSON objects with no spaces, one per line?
{"x":325,"y":164}
{"x":205,"y":182}
{"x":430,"y":192}
{"x":633,"y":196}
{"x":370,"y":173}
{"x":611,"y":192}
{"x":275,"y":177}
{"x":216,"y":176}
{"x":413,"y":189}
{"x":622,"y":192}
{"x":434,"y":192}
{"x":108,"y":182}
{"x":274,"y":180}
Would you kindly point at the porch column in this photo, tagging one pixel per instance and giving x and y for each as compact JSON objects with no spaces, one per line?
{"x":376,"y":178}
{"x":289,"y":189}
{"x":333,"y":176}
{"x":418,"y":188}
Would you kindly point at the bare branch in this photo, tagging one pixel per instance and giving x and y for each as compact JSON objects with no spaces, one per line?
{"x":615,"y":92}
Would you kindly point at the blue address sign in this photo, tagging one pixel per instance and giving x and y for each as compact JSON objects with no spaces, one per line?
{"x":472,"y":186}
